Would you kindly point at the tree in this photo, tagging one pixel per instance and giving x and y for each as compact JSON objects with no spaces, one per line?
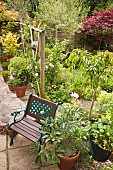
{"x":23,"y":6}
{"x":96,"y":5}
{"x":96,"y":67}
{"x":7,"y":15}
{"x":7,"y":19}
{"x":99,"y":26}
{"x":64,"y":14}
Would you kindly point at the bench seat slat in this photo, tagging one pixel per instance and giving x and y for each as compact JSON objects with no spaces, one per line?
{"x":31,"y":125}
{"x":28,"y":129}
{"x":29,"y":120}
{"x":25,"y":134}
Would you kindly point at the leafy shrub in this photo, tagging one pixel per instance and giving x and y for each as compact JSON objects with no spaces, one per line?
{"x":79,"y":81}
{"x":5,"y":64}
{"x":9,"y":42}
{"x":17,"y":82}
{"x":5,"y":73}
{"x":17,"y":64}
{"x":104,"y":103}
{"x":107,"y":84}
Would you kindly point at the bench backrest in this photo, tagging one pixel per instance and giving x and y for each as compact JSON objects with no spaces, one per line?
{"x":40,"y":108}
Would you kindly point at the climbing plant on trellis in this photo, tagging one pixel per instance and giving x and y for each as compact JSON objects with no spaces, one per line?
{"x":38,"y":48}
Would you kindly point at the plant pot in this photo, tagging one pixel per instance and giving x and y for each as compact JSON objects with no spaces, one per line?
{"x":10,"y":132}
{"x":98,"y":153}
{"x":66,"y":163}
{"x":20,"y":91}
{"x":6,"y":78}
{"x":8,"y":57}
{"x":11,"y":87}
{"x":4,"y":68}
{"x":3,"y":59}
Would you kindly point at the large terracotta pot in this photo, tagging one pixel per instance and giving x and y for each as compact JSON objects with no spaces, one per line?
{"x":20,"y":91}
{"x":66,"y":163}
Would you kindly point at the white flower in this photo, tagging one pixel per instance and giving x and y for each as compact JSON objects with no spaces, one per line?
{"x":75,"y":95}
{"x":46,"y":67}
{"x":51,"y":58}
{"x":36,"y":74}
{"x":35,"y":67}
{"x":30,"y":66}
{"x":51,"y":65}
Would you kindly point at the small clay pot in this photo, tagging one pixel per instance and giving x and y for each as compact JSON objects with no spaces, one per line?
{"x":20,"y":91}
{"x":66,"y":163}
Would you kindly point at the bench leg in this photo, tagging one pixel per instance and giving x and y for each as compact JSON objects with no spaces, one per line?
{"x":36,"y":160}
{"x":12,"y":137}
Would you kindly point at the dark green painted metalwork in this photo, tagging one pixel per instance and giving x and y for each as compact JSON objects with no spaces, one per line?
{"x":40,"y":109}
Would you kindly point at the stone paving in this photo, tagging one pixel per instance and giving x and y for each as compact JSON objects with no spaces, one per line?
{"x":18,"y":156}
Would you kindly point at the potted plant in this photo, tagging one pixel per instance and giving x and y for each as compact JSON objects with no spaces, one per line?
{"x":9,"y":44}
{"x":21,"y":81}
{"x":19,"y":87}
{"x":17,"y":64}
{"x":101,"y":140}
{"x":5,"y":65}
{"x":10,"y":84}
{"x":5,"y":74}
{"x":63,"y":138}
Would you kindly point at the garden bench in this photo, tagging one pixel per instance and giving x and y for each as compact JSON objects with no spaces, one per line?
{"x":29,"y":124}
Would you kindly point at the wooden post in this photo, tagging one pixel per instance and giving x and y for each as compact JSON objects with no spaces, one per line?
{"x":42,"y":61}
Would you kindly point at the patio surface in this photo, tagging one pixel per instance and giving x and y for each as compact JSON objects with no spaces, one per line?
{"x":18,"y":156}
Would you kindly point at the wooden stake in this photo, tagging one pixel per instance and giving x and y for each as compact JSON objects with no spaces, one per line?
{"x":42,"y":61}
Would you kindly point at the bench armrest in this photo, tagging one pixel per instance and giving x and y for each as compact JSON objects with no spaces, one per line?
{"x":15,"y":120}
{"x":17,"y":112}
{"x":20,"y":118}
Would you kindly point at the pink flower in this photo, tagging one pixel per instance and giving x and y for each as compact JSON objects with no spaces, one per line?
{"x":75,"y":95}
{"x":42,"y":112}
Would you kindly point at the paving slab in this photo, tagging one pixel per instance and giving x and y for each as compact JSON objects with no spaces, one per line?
{"x":21,"y":159}
{"x":19,"y":141}
{"x":2,"y":143}
{"x":3,"y":162}
{"x":50,"y":167}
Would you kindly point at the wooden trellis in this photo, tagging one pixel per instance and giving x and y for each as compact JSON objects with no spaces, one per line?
{"x":40,"y":48}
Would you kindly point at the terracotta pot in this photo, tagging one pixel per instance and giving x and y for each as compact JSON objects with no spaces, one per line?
{"x":20,"y":91}
{"x":10,"y":132}
{"x":11,"y":87}
{"x":5,"y":68}
{"x":8,"y":56}
{"x":6,"y":78}
{"x":66,"y":163}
